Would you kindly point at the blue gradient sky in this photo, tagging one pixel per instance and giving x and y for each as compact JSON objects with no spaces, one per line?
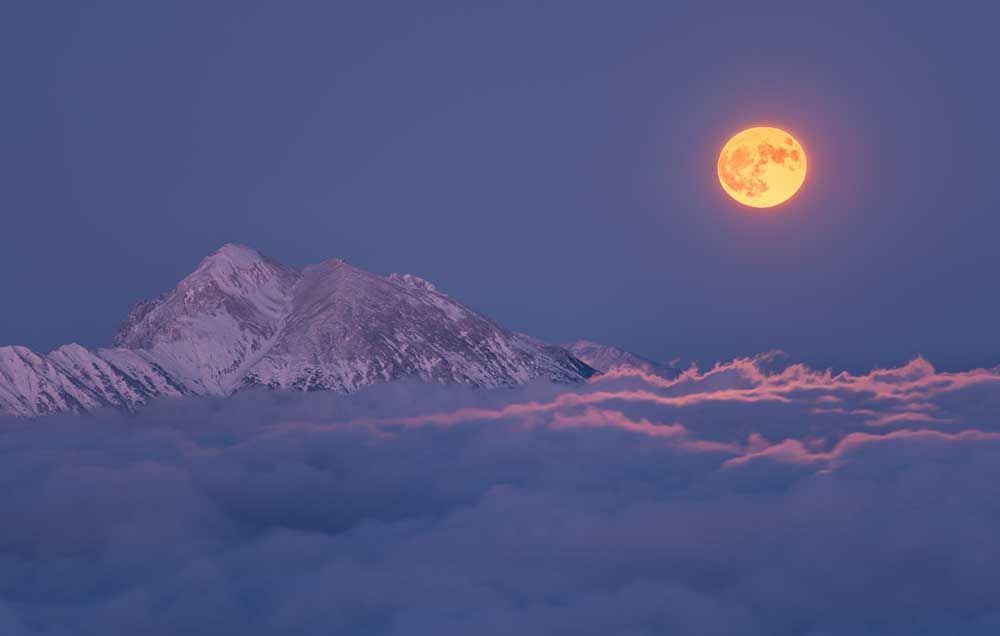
{"x":551,"y":164}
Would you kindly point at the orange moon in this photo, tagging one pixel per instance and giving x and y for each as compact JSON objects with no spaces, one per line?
{"x":762,"y":167}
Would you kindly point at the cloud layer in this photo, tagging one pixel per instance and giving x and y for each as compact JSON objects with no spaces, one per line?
{"x":746,"y":500}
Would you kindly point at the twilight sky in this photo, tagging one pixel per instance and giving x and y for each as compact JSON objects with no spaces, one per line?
{"x":551,"y":164}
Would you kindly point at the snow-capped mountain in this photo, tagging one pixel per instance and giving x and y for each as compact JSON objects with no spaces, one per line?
{"x":241,"y":319}
{"x":605,"y":357}
{"x":72,"y":378}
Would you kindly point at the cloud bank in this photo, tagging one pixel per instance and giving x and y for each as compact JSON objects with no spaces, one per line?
{"x":746,"y":500}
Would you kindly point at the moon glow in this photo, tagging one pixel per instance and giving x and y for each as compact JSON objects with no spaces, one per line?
{"x":762,"y":167}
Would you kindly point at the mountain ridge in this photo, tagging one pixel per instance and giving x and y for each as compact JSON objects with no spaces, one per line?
{"x":241,"y":319}
{"x":606,"y":357}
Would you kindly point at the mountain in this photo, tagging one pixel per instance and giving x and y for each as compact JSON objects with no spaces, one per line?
{"x":605,"y":357}
{"x":72,"y":378}
{"x":241,"y":320}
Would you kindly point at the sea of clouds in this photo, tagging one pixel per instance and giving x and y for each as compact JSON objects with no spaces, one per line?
{"x":751,"y":499}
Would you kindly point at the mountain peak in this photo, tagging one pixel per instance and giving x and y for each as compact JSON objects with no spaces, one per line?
{"x":231,"y":256}
{"x":233,"y":260}
{"x":217,"y":320}
{"x":235,"y":250}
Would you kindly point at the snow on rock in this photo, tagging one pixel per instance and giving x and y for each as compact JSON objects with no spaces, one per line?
{"x":241,"y":319}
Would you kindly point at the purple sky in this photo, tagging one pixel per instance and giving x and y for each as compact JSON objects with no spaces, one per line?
{"x":551,"y":164}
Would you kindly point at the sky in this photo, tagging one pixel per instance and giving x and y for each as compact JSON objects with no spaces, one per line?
{"x":550,"y":164}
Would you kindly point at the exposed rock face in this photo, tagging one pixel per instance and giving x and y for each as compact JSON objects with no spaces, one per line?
{"x":241,"y":319}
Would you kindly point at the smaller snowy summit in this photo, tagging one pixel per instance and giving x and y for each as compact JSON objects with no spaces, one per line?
{"x":605,"y":358}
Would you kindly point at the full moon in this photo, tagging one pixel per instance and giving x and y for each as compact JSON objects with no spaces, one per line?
{"x":762,"y":167}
